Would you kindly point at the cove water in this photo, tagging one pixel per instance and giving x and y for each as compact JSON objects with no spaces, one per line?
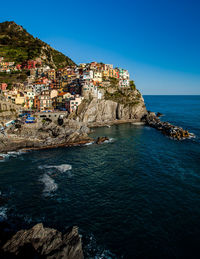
{"x":137,"y":196}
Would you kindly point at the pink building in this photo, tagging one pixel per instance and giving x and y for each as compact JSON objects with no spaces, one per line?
{"x":3,"y":86}
{"x":18,"y":67}
{"x":31,"y":64}
{"x":45,"y":80}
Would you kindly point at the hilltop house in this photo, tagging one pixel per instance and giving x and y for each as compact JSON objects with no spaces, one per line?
{"x":90,"y":89}
{"x":97,"y":76}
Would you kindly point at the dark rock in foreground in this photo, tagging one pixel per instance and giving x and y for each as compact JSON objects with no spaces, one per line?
{"x":165,"y":127}
{"x":40,"y":242}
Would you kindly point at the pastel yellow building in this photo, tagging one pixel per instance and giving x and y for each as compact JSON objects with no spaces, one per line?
{"x":20,"y":98}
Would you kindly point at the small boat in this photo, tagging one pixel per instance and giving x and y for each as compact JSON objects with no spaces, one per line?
{"x":30,"y":120}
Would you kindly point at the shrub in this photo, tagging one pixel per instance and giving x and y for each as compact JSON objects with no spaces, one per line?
{"x":132,"y":85}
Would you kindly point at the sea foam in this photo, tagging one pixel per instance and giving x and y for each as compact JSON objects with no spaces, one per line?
{"x":110,"y":140}
{"x":61,"y":168}
{"x":3,"y":214}
{"x":49,"y":185}
{"x":11,"y":154}
{"x":88,"y":144}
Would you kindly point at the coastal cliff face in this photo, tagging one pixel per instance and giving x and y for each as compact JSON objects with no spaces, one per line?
{"x":115,"y":106}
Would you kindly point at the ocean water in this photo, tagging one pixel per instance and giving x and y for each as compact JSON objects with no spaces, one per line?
{"x":137,"y":196}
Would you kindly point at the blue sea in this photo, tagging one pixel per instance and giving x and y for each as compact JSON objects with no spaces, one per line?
{"x":136,"y":196}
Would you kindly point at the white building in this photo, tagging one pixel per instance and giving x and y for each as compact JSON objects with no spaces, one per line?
{"x":87,"y":75}
{"x":97,"y":76}
{"x":75,"y":103}
{"x":124,"y":83}
{"x":90,"y":90}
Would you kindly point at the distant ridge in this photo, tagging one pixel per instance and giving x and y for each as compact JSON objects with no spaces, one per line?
{"x":17,"y":45}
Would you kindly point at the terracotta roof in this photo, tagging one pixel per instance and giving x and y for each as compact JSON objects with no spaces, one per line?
{"x":61,"y":94}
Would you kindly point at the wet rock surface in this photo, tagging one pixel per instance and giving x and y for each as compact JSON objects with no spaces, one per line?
{"x":165,"y":127}
{"x":40,"y":242}
{"x":100,"y":140}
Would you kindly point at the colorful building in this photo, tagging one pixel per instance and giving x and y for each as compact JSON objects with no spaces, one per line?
{"x":3,"y":86}
{"x":45,"y":100}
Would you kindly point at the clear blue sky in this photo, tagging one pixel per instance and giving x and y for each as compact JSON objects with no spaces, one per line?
{"x":158,"y":41}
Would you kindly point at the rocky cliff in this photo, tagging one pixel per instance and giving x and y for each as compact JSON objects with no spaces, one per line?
{"x":44,"y":134}
{"x":39,"y":242}
{"x":116,"y":106}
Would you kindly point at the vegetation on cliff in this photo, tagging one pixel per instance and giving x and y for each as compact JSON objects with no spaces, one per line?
{"x":17,"y":45}
{"x":124,"y":96}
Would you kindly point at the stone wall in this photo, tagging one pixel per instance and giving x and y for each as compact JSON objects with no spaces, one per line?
{"x":7,"y":105}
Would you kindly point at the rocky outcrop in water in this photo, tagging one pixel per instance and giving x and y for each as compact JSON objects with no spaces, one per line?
{"x":44,"y":135}
{"x":39,"y":242}
{"x":115,"y":106}
{"x":165,"y":127}
{"x":101,"y":140}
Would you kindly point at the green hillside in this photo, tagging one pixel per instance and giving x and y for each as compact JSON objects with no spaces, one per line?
{"x":16,"y":44}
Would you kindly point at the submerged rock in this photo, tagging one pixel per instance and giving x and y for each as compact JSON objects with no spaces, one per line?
{"x":40,"y":242}
{"x":101,"y":140}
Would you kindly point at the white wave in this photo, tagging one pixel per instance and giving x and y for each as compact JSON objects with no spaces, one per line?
{"x":49,"y":185}
{"x":100,"y":252}
{"x":5,"y":156}
{"x":109,"y":141}
{"x":138,"y":123}
{"x":88,"y":144}
{"x":3,"y":213}
{"x":11,"y":154}
{"x":62,"y":168}
{"x":192,"y":135}
{"x":14,"y":153}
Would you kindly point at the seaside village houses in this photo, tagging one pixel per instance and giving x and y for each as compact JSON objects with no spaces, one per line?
{"x":47,"y":89}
